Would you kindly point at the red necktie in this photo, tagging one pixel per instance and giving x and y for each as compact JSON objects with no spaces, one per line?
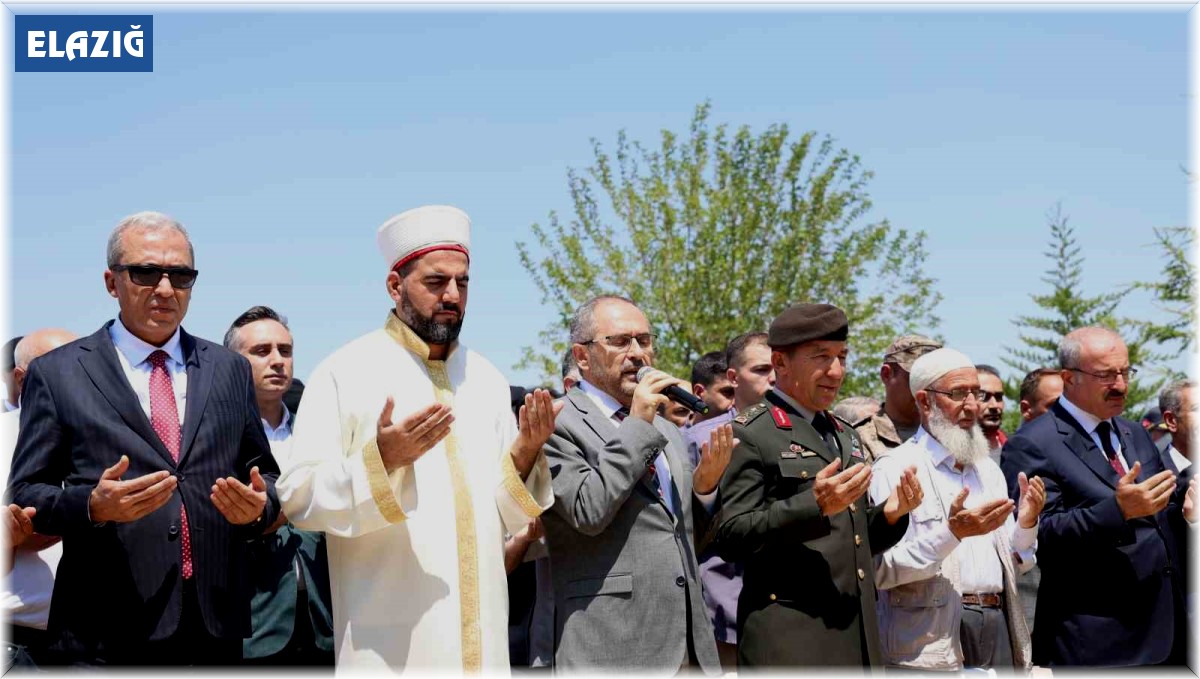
{"x":164,"y":417}
{"x":1103,"y":429}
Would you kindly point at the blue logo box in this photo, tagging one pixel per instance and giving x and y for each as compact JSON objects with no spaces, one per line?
{"x":99,"y":43}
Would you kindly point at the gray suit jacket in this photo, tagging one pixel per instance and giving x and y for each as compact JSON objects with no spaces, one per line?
{"x":626,"y":585}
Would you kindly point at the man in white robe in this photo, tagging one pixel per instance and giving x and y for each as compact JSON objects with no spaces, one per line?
{"x":408,"y":458}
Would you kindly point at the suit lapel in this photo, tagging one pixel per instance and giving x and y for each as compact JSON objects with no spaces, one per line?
{"x":605,"y":430}
{"x":199,"y":374}
{"x":99,"y":360}
{"x":1083,"y":446}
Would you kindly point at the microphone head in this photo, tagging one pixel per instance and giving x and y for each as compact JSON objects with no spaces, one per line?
{"x":642,"y":372}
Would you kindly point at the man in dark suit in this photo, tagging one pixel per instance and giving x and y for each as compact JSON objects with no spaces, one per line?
{"x":142,"y":447}
{"x":795,"y":509}
{"x":1112,"y":589}
{"x":291,"y":612}
{"x":620,"y":534}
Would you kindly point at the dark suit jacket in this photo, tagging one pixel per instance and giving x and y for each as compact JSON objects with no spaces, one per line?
{"x":623,"y":565}
{"x":808,"y":592}
{"x":119,"y":584}
{"x":1111,"y":589}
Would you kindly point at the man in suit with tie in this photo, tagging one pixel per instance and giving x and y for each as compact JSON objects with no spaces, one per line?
{"x":1112,"y":590}
{"x":142,"y":447}
{"x":620,"y":534}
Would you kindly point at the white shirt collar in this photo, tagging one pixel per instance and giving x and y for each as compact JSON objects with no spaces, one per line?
{"x":8,"y":407}
{"x":1088,"y":420}
{"x":285,"y":425}
{"x":937,"y":452}
{"x":808,"y":414}
{"x":608,"y":405}
{"x":136,"y":350}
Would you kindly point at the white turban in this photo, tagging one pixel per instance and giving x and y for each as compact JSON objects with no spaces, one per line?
{"x":421,"y":230}
{"x":932,"y":366}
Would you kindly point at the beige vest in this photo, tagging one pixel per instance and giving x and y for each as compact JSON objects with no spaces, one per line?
{"x":919,"y":622}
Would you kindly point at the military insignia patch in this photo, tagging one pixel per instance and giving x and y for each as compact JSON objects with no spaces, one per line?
{"x":781,"y":418}
{"x":750,"y":413}
{"x":787,"y":454}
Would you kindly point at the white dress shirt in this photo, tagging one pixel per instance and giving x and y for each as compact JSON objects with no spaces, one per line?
{"x":133,"y":353}
{"x":927,"y":543}
{"x":280,"y":439}
{"x":1089,"y":423}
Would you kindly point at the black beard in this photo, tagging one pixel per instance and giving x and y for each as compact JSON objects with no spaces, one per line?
{"x":425,"y":327}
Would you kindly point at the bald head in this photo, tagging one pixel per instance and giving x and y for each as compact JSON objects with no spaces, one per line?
{"x":35,"y":344}
{"x":1095,"y":370}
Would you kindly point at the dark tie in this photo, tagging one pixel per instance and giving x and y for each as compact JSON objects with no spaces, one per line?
{"x":825,"y":428}
{"x":652,"y":470}
{"x":1104,"y":429}
{"x":164,"y":417}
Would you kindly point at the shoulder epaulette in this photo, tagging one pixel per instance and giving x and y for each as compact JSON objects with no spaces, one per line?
{"x":747,"y":415}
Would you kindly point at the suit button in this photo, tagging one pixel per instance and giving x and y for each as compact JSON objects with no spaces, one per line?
{"x":857,"y":540}
{"x":173,"y":531}
{"x":861,"y":574}
{"x":180,"y":478}
{"x":680,"y":581}
{"x":804,"y":475}
{"x":853,"y":509}
{"x":771,"y":597}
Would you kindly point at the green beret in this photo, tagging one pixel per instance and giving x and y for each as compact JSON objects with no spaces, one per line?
{"x":808,"y":323}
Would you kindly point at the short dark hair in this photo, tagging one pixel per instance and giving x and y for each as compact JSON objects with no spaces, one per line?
{"x":735,"y":351}
{"x":708,"y":368}
{"x":1171,"y":398}
{"x":9,"y":352}
{"x":985,"y":368}
{"x":583,"y":322}
{"x":1030,"y":384}
{"x":254,"y":313}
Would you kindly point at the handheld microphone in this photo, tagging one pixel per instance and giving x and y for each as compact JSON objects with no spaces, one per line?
{"x":678,"y":394}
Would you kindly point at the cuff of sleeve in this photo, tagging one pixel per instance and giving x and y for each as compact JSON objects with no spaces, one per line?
{"x":1024,"y":538}
{"x":380,"y":484}
{"x":518,"y":490}
{"x":943,"y":541}
{"x":709,"y":500}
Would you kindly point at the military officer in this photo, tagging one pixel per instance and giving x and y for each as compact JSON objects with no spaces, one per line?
{"x":796,"y":513}
{"x":897,"y":419}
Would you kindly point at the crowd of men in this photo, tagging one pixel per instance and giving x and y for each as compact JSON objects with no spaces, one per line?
{"x":169,"y":505}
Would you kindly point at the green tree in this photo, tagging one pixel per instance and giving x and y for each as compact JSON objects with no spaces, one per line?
{"x":1174,"y":294}
{"x":714,"y":234}
{"x":1068,"y":309}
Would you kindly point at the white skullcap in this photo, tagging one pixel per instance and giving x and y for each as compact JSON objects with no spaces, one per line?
{"x":932,"y":366}
{"x":421,"y":230}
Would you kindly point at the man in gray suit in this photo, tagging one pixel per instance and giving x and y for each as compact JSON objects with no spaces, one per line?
{"x":626,"y":586}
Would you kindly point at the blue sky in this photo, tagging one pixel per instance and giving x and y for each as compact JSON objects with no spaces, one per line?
{"x":283,"y":138}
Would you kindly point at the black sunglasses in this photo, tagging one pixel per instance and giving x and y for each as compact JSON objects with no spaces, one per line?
{"x":150,"y":276}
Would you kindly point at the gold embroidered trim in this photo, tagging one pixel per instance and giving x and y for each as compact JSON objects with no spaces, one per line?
{"x":464,"y":524}
{"x":516,"y":488}
{"x":381,"y":487}
{"x":464,"y":514}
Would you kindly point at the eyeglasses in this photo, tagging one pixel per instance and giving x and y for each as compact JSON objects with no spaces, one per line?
{"x":1110,"y":376}
{"x":985,"y":396}
{"x":181,"y":278}
{"x":620,"y":342}
{"x":959,"y":395}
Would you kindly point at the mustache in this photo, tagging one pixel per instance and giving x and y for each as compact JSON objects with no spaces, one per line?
{"x":1114,"y":393}
{"x":448,"y":306}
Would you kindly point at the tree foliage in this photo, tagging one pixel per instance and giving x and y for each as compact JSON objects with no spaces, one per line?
{"x":714,"y":233}
{"x":1068,"y":309}
{"x":1174,"y":294}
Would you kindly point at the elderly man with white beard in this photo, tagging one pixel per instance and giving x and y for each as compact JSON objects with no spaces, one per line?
{"x":947,"y":590}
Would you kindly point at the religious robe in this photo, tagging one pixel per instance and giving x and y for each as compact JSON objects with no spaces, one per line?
{"x":416,"y":557}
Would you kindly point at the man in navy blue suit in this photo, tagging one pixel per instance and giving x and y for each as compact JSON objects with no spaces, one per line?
{"x":142,"y":447}
{"x":1112,"y":588}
